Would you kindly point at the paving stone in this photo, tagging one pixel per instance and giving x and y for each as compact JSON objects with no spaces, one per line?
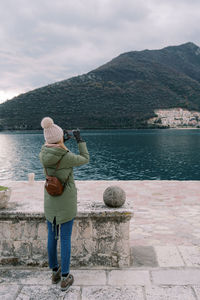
{"x":89,"y":277}
{"x":25,"y":276}
{"x":168,"y":256}
{"x":176,"y":277}
{"x":115,"y":293}
{"x":143,"y":256}
{"x":8,"y":292}
{"x":197,"y":291}
{"x":40,"y":277}
{"x":128,"y":277}
{"x":35,"y":292}
{"x":169,"y":293}
{"x":191,"y":255}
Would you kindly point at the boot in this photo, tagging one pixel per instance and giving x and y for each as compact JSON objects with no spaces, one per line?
{"x":56,"y":276}
{"x":66,"y":282}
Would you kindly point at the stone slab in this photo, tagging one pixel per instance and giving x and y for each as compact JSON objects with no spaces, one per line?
{"x":169,"y":293}
{"x":176,"y":277}
{"x":89,"y":277}
{"x":34,"y":277}
{"x":128,"y":277}
{"x":143,"y":256}
{"x":42,"y":277}
{"x":9,"y":292}
{"x":168,"y":256}
{"x":191,"y":255}
{"x":197,"y":291}
{"x":112,"y":293}
{"x":35,"y":292}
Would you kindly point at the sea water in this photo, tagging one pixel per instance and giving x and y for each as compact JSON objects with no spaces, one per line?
{"x":157,"y":154}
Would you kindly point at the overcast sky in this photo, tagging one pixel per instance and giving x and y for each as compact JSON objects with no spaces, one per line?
{"x":44,"y":41}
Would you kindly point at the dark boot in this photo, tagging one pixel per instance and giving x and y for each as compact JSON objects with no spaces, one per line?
{"x":66,"y":282}
{"x":56,"y":276}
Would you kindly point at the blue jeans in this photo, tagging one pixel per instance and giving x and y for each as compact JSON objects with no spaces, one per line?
{"x":65,"y":237}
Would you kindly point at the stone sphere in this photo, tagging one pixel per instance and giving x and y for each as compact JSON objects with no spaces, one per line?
{"x":114,"y":196}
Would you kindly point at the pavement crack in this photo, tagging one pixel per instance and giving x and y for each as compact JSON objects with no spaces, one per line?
{"x":144,"y":292}
{"x":19,"y":291}
{"x":181,"y":255}
{"x":194,"y":293}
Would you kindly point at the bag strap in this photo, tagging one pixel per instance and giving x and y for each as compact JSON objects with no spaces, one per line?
{"x":57,"y":166}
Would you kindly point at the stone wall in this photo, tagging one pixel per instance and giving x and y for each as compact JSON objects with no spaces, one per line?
{"x":96,"y":240}
{"x":176,"y":117}
{"x":100,"y":234}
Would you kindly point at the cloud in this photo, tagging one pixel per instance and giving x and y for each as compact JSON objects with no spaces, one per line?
{"x":46,"y":41}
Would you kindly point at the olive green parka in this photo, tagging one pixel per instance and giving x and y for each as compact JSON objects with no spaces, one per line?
{"x":62,"y":208}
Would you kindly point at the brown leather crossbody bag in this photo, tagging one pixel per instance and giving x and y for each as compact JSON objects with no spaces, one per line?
{"x":53,"y":185}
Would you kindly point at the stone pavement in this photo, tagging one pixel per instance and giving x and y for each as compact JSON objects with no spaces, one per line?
{"x":144,"y":283}
{"x":165,"y":246}
{"x":166,"y":212}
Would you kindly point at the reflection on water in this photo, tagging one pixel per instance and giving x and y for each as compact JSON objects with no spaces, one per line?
{"x":114,"y":155}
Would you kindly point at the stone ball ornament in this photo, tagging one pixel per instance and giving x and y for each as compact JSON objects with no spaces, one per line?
{"x":114,"y":196}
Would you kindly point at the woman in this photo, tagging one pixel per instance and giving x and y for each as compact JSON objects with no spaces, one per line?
{"x":61,"y":210}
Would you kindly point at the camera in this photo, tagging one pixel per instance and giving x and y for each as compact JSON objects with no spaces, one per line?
{"x":68,"y":134}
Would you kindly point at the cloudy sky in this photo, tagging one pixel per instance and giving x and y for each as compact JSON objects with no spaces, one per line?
{"x":44,"y":41}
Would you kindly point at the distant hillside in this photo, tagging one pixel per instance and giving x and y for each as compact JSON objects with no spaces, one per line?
{"x":123,"y":93}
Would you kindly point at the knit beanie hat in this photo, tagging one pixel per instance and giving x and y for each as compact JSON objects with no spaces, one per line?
{"x":52,"y":132}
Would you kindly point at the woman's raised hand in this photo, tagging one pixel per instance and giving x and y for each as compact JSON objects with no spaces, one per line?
{"x":77,"y":135}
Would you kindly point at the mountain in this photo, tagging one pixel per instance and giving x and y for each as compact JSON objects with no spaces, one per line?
{"x":122,"y":93}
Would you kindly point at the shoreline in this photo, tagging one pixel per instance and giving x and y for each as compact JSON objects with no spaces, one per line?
{"x":99,"y":129}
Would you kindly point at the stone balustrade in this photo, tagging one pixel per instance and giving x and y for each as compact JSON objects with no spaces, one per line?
{"x":100,"y":234}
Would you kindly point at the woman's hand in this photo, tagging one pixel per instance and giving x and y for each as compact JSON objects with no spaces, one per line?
{"x":77,"y":135}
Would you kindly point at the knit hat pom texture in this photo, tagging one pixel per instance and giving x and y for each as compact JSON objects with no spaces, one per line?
{"x":52,"y":132}
{"x":47,"y":122}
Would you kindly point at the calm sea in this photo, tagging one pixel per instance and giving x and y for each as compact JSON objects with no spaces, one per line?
{"x":114,"y":155}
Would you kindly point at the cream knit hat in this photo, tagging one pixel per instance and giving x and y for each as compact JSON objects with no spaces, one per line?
{"x":52,"y":132}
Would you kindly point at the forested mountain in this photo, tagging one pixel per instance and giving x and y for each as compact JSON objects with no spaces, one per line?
{"x":122,"y":93}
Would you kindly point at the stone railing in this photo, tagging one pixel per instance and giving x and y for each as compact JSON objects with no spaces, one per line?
{"x":100,"y":234}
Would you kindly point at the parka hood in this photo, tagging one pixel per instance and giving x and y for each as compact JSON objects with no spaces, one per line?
{"x":50,"y":156}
